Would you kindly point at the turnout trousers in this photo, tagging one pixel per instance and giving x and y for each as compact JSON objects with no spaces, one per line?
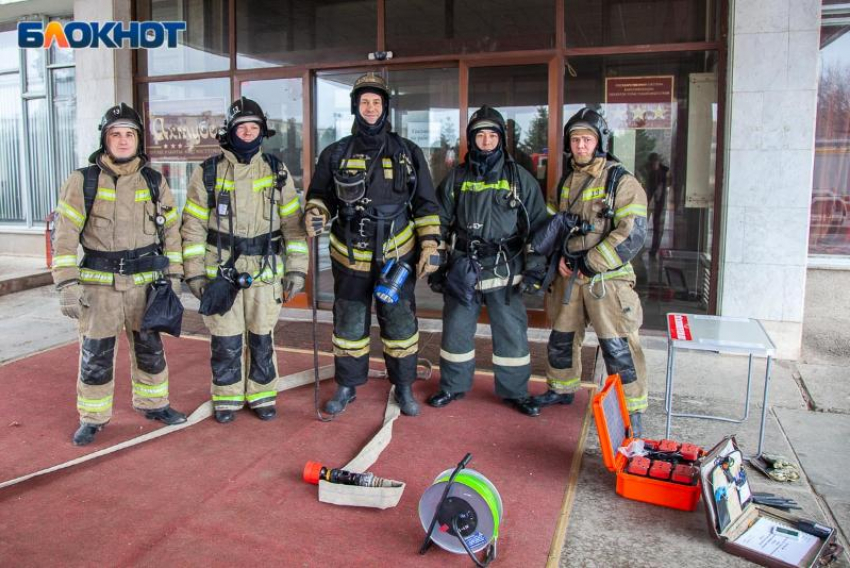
{"x":352,"y":319}
{"x":243,"y":359}
{"x":111,"y":309}
{"x":509,"y":325}
{"x":616,"y":318}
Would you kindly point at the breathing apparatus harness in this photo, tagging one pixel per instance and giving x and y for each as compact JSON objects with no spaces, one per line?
{"x":575,"y":259}
{"x":268,"y":245}
{"x":476,"y":248}
{"x":352,"y":189}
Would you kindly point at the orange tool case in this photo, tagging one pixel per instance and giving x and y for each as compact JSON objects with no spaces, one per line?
{"x":615,"y":431}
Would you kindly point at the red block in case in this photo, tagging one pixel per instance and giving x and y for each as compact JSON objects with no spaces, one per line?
{"x":668,"y":446}
{"x":690,"y":452}
{"x":612,"y":423}
{"x":660,"y":469}
{"x":686,"y":474}
{"x":638,"y":465}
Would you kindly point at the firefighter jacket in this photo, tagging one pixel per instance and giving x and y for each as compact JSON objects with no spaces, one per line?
{"x":399,"y":205}
{"x":614,"y":239}
{"x":122,"y":219}
{"x":492,"y":216}
{"x":247,"y":195}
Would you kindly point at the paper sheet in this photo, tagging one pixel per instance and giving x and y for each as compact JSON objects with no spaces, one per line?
{"x":761,"y":538}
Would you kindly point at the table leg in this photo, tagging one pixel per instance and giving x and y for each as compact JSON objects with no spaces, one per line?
{"x":764,"y":407}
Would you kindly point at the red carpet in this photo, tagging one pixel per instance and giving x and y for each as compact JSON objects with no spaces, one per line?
{"x":215,"y":495}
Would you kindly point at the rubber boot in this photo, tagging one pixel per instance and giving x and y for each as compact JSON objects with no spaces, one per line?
{"x":166,"y":415}
{"x":340,"y":399}
{"x":85,"y":433}
{"x":551,"y":397}
{"x":404,"y":398}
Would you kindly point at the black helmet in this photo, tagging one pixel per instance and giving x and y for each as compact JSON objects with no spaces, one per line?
{"x":372,"y":83}
{"x":120,"y":116}
{"x":485,"y":118}
{"x":590,"y":120}
{"x":247,"y":110}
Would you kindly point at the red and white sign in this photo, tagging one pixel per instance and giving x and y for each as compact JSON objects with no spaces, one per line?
{"x":679,"y":327}
{"x":634,"y":103}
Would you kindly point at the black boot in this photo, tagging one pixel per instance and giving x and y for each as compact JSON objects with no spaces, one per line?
{"x":166,"y":415}
{"x":224,"y":416}
{"x":265,"y":412}
{"x":85,"y":433}
{"x":442,"y":398}
{"x":340,"y":399}
{"x":404,"y":398}
{"x":551,"y":397}
{"x":525,"y":405}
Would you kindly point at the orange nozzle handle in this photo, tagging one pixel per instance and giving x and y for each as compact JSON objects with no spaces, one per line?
{"x":312,"y":471}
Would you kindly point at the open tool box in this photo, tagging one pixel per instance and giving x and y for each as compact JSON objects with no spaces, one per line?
{"x":760,"y":534}
{"x":667,"y":476}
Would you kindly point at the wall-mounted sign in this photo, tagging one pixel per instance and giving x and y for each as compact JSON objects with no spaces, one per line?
{"x":183,"y":131}
{"x":634,"y":103}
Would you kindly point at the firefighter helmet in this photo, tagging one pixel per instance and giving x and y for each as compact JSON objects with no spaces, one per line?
{"x":247,"y":110}
{"x":370,"y":82}
{"x":485,"y":118}
{"x":121,"y":115}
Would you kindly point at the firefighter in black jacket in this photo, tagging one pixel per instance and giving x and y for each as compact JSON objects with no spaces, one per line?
{"x":489,"y":206}
{"x":377,"y":187}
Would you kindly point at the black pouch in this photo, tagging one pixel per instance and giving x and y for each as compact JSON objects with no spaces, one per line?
{"x":218,"y":297}
{"x":462,"y":278}
{"x":164,"y":312}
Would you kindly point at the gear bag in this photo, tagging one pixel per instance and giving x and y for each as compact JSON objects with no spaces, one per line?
{"x":164,"y":312}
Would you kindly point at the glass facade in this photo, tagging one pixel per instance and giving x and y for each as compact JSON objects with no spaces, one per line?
{"x":829,"y":230}
{"x":37,"y":128}
{"x":662,"y":110}
{"x":448,"y":59}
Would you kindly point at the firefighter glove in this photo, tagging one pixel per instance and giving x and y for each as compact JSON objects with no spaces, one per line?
{"x":293,"y":283}
{"x":315,"y":221}
{"x":71,"y":299}
{"x":197,"y":285}
{"x":532,"y":281}
{"x":430,"y":258}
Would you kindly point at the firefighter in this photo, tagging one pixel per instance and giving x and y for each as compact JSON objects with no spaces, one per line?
{"x":377,"y":187}
{"x":596,"y":267}
{"x":245,"y":253}
{"x":489,"y":206}
{"x":123,"y":214}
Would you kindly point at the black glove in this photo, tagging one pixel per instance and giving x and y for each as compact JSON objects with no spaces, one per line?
{"x":437,"y":280}
{"x":582,"y":266}
{"x":532,"y":282}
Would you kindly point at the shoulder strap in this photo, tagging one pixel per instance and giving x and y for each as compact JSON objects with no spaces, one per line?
{"x":341,"y":148}
{"x":90,"y":177}
{"x":277,"y":169}
{"x":615,"y":173}
{"x":568,"y":169}
{"x":154,"y":180}
{"x":209,"y":170}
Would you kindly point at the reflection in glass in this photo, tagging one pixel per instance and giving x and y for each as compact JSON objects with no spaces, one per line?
{"x":829,"y":231}
{"x":594,"y":23}
{"x":35,"y":70}
{"x":181,"y":121}
{"x":664,"y":125}
{"x":424,"y":110}
{"x":11,"y":204}
{"x":521,"y":94}
{"x":281,"y":99}
{"x":202,"y":47}
{"x":9,"y":51}
{"x":61,"y":55}
{"x":291,"y":32}
{"x":41,"y":192}
{"x":64,"y":121}
{"x":423,"y":27}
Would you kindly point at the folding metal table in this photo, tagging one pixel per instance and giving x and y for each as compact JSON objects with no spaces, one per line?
{"x":720,"y":334}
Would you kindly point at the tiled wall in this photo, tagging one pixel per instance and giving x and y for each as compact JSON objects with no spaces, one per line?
{"x":772,"y":94}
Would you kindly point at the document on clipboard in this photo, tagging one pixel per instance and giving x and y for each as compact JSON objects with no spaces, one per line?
{"x":763,"y":537}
